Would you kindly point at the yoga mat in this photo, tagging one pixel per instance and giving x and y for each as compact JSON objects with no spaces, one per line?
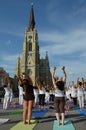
{"x":82,"y":112}
{"x":2,"y":121}
{"x":36,"y":113}
{"x":16,"y":112}
{"x":39,"y":113}
{"x":68,"y":126}
{"x":21,"y":126}
{"x":46,"y":120}
{"x":76,"y":107}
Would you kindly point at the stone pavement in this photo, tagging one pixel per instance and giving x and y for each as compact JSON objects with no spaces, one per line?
{"x":46,"y":122}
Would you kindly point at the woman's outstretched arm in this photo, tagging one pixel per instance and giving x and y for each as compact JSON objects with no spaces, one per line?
{"x":65,"y":75}
{"x":53,"y":78}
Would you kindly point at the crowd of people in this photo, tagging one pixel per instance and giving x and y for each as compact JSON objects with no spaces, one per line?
{"x":41,"y":95}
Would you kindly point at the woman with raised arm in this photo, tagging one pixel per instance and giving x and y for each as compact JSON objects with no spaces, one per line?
{"x":7,"y":92}
{"x":41,"y":91}
{"x":20,"y":88}
{"x":59,"y":86}
{"x":80,"y":93}
{"x":74,"y":93}
{"x":28,"y":97}
{"x":10,"y":85}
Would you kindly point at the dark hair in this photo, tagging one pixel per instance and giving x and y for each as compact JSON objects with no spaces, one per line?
{"x":25,"y":82}
{"x":60,"y":85}
{"x":25,"y":87}
{"x":80,"y":83}
{"x":4,"y":86}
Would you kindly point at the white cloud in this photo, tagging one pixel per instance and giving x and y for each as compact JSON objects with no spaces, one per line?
{"x":59,"y":44}
{"x":8,"y":62}
{"x":67,"y":43}
{"x":9,"y":57}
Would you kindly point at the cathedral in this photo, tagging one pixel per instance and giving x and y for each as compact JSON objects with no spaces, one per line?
{"x":30,"y":61}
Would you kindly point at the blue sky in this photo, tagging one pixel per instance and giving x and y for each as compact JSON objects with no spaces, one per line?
{"x":61,"y":26}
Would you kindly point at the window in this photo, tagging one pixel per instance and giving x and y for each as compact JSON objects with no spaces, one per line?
{"x":30,"y":46}
{"x":30,"y":37}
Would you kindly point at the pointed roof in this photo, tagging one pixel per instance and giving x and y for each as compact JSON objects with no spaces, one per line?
{"x":31,"y":20}
{"x":46,"y":55}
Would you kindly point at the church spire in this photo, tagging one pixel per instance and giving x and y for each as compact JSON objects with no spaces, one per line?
{"x":31,"y":20}
{"x":46,"y":55}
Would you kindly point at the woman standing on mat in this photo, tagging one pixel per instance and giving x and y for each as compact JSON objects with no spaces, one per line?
{"x":28,"y":97}
{"x":80,"y":93}
{"x":41,"y":91}
{"x":20,"y":88}
{"x":59,"y":86}
{"x":10,"y":84}
{"x":7,"y":92}
{"x":74,"y":93}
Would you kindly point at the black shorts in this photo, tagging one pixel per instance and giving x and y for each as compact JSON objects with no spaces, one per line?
{"x":30,"y":97}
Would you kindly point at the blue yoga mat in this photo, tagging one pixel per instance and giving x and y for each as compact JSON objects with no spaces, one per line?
{"x":82,"y":112}
{"x":39,"y":113}
{"x":76,"y":107}
{"x":36,"y":113}
{"x":68,"y":126}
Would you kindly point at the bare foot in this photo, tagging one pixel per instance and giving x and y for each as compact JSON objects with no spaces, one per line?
{"x":58,"y":123}
{"x":25,"y":123}
{"x":29,"y":123}
{"x":63,"y":123}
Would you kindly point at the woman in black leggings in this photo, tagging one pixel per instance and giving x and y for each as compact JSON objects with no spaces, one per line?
{"x":41,"y":90}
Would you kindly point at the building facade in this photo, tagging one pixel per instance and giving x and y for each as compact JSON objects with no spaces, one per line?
{"x":3,"y":73}
{"x":30,"y":61}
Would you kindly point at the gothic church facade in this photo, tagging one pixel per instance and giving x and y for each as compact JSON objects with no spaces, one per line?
{"x":30,"y":62}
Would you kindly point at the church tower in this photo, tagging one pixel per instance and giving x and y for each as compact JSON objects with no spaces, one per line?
{"x":30,"y":61}
{"x":18,"y":63}
{"x":30,"y":55}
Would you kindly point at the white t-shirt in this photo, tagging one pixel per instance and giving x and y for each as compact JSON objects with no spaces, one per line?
{"x":20,"y":90}
{"x":68,"y":94}
{"x":73,"y":92}
{"x":80,"y":91}
{"x":7,"y":91}
{"x":47,"y":96}
{"x":35,"y":91}
{"x":42,"y":91}
{"x":58,"y":93}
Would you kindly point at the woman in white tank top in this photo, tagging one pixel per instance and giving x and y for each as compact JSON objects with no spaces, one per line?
{"x":59,"y":87}
{"x":80,"y":93}
{"x":7,"y":93}
{"x":41,"y":96}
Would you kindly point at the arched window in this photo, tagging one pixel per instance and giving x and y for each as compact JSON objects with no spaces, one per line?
{"x":30,"y":46}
